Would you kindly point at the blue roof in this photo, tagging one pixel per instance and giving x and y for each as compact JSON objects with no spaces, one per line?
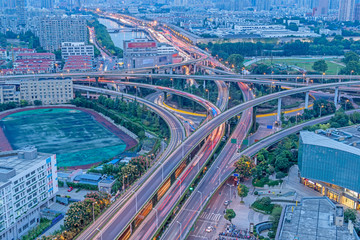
{"x":90,"y":177}
{"x":63,"y":175}
{"x":318,"y":140}
{"x":114,"y":161}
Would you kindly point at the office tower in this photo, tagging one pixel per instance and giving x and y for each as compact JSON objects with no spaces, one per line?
{"x":346,"y":10}
{"x":322,"y":8}
{"x":56,"y":30}
{"x":49,"y":4}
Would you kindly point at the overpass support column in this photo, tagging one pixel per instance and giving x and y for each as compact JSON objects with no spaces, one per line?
{"x":87,"y":95}
{"x":194,"y":68}
{"x":336,"y":96}
{"x":278,"y":117}
{"x":306,"y":100}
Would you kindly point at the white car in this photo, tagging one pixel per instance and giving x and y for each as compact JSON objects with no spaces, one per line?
{"x":209,"y":229}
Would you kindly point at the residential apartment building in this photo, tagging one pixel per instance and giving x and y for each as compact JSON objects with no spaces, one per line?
{"x":47,"y":90}
{"x":346,"y":10}
{"x":28,"y":182}
{"x":75,"y":49}
{"x":3,"y":54}
{"x":55,"y":30}
{"x":8,"y":93}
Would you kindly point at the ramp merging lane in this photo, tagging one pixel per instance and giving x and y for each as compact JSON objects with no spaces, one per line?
{"x":177,"y":136}
{"x":122,"y":217}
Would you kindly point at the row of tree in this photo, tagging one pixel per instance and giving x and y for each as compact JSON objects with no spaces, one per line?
{"x":104,"y":39}
{"x":319,"y":46}
{"x":81,"y":214}
{"x":130,"y":114}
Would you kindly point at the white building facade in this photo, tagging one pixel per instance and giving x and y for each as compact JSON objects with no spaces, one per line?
{"x":48,"y":91}
{"x":76,"y":48}
{"x":28,"y":182}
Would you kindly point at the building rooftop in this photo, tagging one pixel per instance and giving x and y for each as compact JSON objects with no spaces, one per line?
{"x":345,"y":139}
{"x":14,"y":160}
{"x":313,"y":218}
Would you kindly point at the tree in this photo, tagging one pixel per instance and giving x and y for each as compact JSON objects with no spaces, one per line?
{"x":320,"y":66}
{"x":244,"y":167}
{"x":230,"y":215}
{"x":350,"y":215}
{"x":236,"y":60}
{"x":350,"y":56}
{"x":24,"y":103}
{"x":242,"y":191}
{"x":37,"y":102}
{"x":275,"y":216}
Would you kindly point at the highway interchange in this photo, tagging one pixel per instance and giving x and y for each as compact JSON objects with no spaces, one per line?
{"x":117,"y":219}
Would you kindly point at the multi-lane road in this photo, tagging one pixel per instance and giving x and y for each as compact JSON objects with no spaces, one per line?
{"x":122,"y":217}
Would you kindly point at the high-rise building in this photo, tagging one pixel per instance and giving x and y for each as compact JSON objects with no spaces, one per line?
{"x":20,"y":11}
{"x":55,"y":30}
{"x":357,"y":12}
{"x":322,"y":8}
{"x":28,"y":182}
{"x":49,"y":4}
{"x":346,"y":10}
{"x":263,"y":5}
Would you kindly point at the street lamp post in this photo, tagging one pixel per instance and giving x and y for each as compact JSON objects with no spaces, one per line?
{"x":321,"y":108}
{"x":352,"y":71}
{"x":346,"y":102}
{"x":93,"y":211}
{"x":297,"y":117}
{"x":180,"y":228}
{"x":100,"y":233}
{"x":201,"y":198}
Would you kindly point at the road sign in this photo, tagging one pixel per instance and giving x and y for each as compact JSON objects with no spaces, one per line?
{"x":191,"y":188}
{"x":234,"y":140}
{"x":235,"y":174}
{"x":269,"y":127}
{"x":246,"y":141}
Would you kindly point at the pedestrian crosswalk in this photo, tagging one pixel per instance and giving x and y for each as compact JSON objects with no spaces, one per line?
{"x":210,"y":216}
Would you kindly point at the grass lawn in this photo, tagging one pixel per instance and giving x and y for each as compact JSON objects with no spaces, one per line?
{"x":307,"y":63}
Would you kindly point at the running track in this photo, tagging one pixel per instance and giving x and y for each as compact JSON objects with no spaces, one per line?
{"x":129,"y":141}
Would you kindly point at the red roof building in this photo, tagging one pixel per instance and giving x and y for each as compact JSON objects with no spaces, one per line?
{"x":80,"y":63}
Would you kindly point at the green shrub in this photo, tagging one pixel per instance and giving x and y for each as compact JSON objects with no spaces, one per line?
{"x":263,"y":204}
{"x":61,"y":183}
{"x":272,"y":183}
{"x":280,"y":175}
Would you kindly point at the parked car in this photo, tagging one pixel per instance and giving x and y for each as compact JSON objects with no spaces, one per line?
{"x":70,"y":189}
{"x":209,"y":229}
{"x":226,"y":203}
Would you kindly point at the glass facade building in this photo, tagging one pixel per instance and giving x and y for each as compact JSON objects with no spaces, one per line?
{"x":331,"y":167}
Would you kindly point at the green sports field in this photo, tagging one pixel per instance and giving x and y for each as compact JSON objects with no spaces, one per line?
{"x":75,"y":136}
{"x":334,"y":65}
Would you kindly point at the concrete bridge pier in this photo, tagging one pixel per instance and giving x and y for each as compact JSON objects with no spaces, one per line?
{"x":87,"y":95}
{"x":306,"y":100}
{"x":336,"y":97}
{"x":195,"y":68}
{"x":278,"y":117}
